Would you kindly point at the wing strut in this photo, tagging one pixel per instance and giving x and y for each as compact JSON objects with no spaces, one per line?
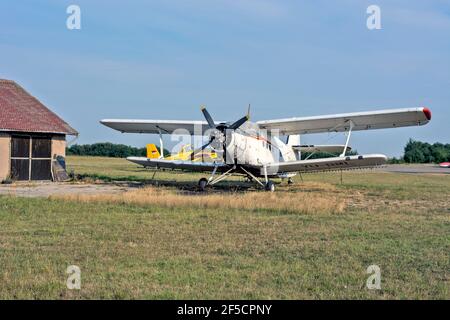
{"x":213,"y":174}
{"x":161,"y":143}
{"x":253,"y":177}
{"x":348,"y":138}
{"x":221,"y":177}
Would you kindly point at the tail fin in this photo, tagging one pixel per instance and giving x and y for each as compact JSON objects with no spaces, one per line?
{"x":294,"y":140}
{"x":286,"y":151}
{"x":152,"y":151}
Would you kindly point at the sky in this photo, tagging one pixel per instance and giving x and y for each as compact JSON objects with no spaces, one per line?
{"x":162,"y":59}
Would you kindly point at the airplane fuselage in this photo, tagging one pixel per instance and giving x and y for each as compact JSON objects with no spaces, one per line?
{"x":252,"y":147}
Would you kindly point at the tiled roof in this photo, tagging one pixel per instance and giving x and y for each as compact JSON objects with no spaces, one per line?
{"x":20,"y":111}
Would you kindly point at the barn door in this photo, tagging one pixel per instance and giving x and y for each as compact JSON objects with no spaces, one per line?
{"x":41,"y":158}
{"x":31,"y":158}
{"x":20,"y":158}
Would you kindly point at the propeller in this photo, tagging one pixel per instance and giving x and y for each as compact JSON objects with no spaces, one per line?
{"x":241,"y":121}
{"x":218,"y":131}
{"x":208,"y":117}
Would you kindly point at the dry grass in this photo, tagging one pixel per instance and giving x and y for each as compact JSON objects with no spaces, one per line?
{"x":298,"y":202}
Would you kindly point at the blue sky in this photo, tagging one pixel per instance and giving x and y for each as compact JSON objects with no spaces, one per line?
{"x":163,"y":59}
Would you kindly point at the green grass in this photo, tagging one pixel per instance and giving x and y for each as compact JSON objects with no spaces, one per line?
{"x":397,"y":221}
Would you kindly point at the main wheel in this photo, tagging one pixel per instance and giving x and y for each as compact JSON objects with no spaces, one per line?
{"x":290,"y":181}
{"x":270,"y":186}
{"x":202,"y":183}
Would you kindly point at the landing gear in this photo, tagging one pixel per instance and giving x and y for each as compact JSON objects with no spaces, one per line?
{"x":290,"y":181}
{"x":270,"y":186}
{"x":202,"y":183}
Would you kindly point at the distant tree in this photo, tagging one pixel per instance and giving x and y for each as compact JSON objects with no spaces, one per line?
{"x":441,"y":152}
{"x":395,"y":160}
{"x":423,"y":152}
{"x":107,"y":149}
{"x":414,"y":156}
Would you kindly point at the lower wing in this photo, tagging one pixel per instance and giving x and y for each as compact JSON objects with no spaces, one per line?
{"x":331,"y":148}
{"x":178,"y":164}
{"x":327,"y":164}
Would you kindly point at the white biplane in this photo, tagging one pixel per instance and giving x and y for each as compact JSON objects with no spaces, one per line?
{"x":257,"y":150}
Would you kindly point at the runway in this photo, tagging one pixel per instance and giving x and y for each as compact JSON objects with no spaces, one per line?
{"x":414,"y":168}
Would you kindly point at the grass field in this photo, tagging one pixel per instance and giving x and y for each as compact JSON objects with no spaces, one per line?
{"x":312,"y":240}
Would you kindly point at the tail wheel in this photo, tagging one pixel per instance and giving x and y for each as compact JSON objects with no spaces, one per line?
{"x":270,"y":186}
{"x":202,"y":183}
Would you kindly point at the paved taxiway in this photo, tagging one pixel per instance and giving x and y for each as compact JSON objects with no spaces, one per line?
{"x":414,"y":168}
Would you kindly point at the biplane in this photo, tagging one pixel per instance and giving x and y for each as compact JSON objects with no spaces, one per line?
{"x":268,"y":149}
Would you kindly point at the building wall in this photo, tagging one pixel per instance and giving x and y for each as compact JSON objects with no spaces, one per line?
{"x":5,"y":165}
{"x":58,"y":146}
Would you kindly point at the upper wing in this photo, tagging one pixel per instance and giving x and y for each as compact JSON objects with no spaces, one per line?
{"x":327,"y":164}
{"x":341,"y":122}
{"x":178,"y":164}
{"x":157,"y":126}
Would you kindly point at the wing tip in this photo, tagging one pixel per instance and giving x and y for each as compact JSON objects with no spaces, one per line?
{"x":427,"y":112}
{"x":105,"y":122}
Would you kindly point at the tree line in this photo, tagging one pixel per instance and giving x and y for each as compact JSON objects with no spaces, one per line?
{"x":107,"y":149}
{"x":424,"y":152}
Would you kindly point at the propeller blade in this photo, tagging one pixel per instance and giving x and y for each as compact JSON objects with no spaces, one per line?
{"x":239,"y":123}
{"x":208,"y":118}
{"x":201,"y":148}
